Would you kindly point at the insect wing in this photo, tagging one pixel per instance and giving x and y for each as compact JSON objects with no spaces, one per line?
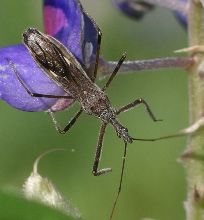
{"x":69,"y":57}
{"x":57,"y":62}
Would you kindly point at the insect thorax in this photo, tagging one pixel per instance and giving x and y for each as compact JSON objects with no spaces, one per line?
{"x":96,"y":103}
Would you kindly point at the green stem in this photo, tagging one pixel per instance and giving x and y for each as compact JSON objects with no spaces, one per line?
{"x":194,"y":156}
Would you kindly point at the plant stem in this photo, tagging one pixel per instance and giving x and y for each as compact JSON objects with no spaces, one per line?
{"x":194,"y":155}
{"x":106,"y":67}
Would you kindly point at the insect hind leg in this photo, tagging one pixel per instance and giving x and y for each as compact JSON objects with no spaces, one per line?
{"x":95,"y":170}
{"x":134,"y":104}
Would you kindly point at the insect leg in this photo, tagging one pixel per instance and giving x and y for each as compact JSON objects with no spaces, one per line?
{"x":115,"y":71}
{"x":27,"y":89}
{"x":95,"y":170}
{"x":136,"y":103}
{"x":97,"y":52}
{"x":70,"y":123}
{"x":120,"y":183}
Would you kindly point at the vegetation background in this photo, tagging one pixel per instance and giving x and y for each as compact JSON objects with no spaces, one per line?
{"x":154,"y":183}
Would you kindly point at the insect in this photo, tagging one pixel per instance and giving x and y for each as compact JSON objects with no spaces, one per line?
{"x":62,"y":67}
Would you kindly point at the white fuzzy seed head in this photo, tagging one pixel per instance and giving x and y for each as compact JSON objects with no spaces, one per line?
{"x":41,"y":189}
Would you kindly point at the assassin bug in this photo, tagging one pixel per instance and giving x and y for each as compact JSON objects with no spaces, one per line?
{"x":62,"y":67}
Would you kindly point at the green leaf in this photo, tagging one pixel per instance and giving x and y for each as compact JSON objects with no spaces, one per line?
{"x":14,"y":207}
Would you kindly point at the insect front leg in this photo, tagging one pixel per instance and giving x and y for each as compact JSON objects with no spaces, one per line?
{"x":11,"y":64}
{"x":135,"y":104}
{"x":99,"y":33}
{"x":68,"y":126}
{"x":99,"y":146}
{"x":115,"y":71}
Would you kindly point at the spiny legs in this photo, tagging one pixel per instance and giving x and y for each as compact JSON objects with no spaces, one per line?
{"x":99,"y":146}
{"x":135,"y":104}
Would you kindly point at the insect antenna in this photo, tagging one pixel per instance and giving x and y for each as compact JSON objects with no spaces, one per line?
{"x":160,"y":138}
{"x":120,"y":183}
{"x":124,"y":160}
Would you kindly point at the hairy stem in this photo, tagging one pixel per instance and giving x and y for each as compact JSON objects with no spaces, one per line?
{"x":106,"y":67}
{"x":194,"y":155}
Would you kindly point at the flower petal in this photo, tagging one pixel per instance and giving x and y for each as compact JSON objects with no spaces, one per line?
{"x":133,"y":9}
{"x":136,"y":9}
{"x":13,"y":92}
{"x":62,"y":20}
{"x":181,"y":17}
{"x":68,"y":22}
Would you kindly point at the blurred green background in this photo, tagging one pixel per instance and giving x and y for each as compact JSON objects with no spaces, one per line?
{"x":154,"y":183}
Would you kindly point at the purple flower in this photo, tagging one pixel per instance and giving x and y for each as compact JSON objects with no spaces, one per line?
{"x":133,"y":9}
{"x":137,"y":9}
{"x":181,"y":16}
{"x":66,"y":21}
